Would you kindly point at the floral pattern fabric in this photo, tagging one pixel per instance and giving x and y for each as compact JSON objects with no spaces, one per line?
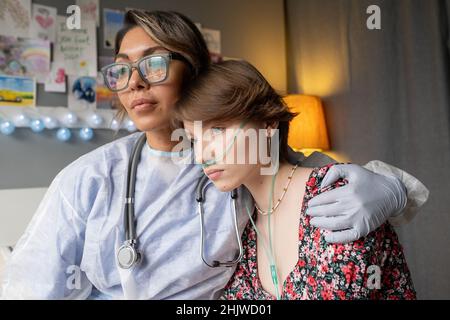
{"x":372,"y":267}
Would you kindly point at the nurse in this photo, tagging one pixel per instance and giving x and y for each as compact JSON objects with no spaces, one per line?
{"x":68,"y":251}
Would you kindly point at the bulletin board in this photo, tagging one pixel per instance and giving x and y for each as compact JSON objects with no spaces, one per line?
{"x":49,"y":67}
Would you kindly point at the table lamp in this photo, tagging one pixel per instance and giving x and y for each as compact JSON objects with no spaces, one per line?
{"x":308,"y":130}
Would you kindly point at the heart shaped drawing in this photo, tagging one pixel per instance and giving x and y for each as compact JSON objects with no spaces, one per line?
{"x":44,"y":22}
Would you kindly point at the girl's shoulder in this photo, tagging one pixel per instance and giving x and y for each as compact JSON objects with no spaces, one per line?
{"x":316,"y":176}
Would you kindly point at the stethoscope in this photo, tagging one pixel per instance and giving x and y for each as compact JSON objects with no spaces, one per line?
{"x":200,"y":198}
{"x":128,"y":254}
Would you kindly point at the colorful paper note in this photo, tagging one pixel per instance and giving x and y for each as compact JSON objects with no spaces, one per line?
{"x":76,"y":49}
{"x":112,"y":23}
{"x":15,"y":18}
{"x":90,"y":10}
{"x":56,"y":80}
{"x":43,"y":23}
{"x":81,"y":93}
{"x":106,"y":99}
{"x":25,"y":57}
{"x":17,"y":91}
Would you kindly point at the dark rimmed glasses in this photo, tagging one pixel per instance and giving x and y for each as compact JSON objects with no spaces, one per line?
{"x":152,"y":69}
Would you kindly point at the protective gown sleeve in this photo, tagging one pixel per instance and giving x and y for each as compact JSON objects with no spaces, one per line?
{"x":45,"y":262}
{"x":416,"y":191}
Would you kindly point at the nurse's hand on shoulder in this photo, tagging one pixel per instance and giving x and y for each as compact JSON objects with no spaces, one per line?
{"x":357,"y":208}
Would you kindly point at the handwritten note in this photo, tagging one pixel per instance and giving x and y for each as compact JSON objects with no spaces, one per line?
{"x":77,"y":49}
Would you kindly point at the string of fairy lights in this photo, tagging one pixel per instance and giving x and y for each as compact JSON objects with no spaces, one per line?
{"x":65,"y":122}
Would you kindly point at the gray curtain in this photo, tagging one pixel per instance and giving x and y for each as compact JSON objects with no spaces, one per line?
{"x":387,"y":96}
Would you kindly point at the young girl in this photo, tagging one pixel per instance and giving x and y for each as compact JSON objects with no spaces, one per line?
{"x":285,"y":256}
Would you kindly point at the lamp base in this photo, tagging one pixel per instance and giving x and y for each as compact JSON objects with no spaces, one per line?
{"x":307,"y":152}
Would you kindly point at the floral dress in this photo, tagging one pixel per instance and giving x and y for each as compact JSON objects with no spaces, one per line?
{"x":372,"y":267}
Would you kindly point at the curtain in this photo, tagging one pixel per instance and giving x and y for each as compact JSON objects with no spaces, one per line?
{"x":387,"y":96}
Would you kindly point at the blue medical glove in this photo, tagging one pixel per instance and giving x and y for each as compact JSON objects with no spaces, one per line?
{"x":361,"y":206}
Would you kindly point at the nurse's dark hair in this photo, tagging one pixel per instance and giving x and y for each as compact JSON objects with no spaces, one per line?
{"x":235,"y":91}
{"x":173,"y":31}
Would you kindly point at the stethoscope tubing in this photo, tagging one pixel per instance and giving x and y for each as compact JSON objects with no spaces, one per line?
{"x":200,"y":198}
{"x":131,"y":242}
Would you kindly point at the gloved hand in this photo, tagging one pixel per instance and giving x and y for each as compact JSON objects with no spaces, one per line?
{"x":361,"y":206}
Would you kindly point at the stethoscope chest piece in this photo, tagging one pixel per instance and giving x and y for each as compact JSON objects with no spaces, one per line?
{"x":128,"y":256}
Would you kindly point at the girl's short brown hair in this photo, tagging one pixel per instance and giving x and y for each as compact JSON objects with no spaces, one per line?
{"x":235,"y":90}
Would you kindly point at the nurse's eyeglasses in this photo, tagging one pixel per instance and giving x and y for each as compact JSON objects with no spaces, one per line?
{"x":152,"y":69}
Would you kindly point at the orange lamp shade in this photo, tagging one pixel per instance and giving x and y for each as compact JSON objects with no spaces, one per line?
{"x":308,"y":130}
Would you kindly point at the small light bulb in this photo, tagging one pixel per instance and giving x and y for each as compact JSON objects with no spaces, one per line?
{"x":70,"y":119}
{"x":37,"y":125}
{"x":115,"y":125}
{"x":21,"y":120}
{"x":63,"y":134}
{"x":95,"y":120}
{"x":50,"y":122}
{"x":86,"y":134}
{"x":7,"y":127}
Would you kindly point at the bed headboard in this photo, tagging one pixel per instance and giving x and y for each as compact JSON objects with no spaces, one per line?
{"x":17,"y":207}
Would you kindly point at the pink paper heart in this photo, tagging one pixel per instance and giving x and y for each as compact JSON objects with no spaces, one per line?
{"x":60,"y":76}
{"x":44,"y":22}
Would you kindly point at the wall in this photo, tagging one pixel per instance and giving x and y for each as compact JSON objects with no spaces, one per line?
{"x":386,"y":96}
{"x":251,"y":29}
